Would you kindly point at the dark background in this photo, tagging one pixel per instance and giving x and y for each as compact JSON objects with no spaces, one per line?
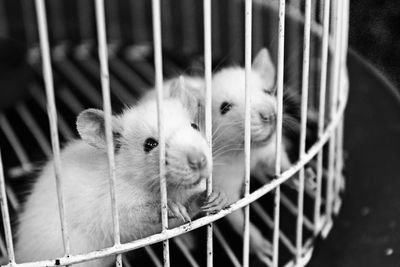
{"x":367,"y":230}
{"x":375,"y":34}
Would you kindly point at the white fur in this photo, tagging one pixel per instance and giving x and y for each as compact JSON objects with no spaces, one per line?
{"x":86,"y":187}
{"x":228,"y":85}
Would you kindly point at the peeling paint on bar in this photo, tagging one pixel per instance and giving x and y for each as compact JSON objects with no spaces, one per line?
{"x":303,"y":128}
{"x":321,"y":112}
{"x":105,"y":88}
{"x":156,"y":18}
{"x":52,"y":114}
{"x":247,"y":131}
{"x":279,"y":122}
{"x":208,"y":111}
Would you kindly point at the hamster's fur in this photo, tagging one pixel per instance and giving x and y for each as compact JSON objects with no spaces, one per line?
{"x":228,"y":142}
{"x":228,"y":106}
{"x":85,"y":180}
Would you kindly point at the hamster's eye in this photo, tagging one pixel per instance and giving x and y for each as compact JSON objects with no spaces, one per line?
{"x":225,"y":107}
{"x":194,"y":126}
{"x":149,"y":144}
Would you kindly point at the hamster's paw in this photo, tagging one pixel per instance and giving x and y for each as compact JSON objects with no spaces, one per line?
{"x":215,"y":202}
{"x":262,"y":248}
{"x":177,"y":210}
{"x":310,"y":179}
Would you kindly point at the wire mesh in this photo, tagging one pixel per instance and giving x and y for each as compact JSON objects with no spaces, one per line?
{"x":229,"y":30}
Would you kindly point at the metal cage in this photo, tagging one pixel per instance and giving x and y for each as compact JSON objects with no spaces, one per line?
{"x":139,"y":43}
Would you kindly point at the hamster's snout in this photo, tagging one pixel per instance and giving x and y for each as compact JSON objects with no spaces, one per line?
{"x":197,"y":161}
{"x":267,"y":117}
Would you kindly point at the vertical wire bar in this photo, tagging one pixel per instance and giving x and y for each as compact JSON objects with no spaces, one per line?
{"x":338,"y":164}
{"x":52,"y":113}
{"x":105,"y":88}
{"x":246,"y":226}
{"x":160,"y":113}
{"x":208,"y":111}
{"x":333,"y":96}
{"x":339,"y":131}
{"x":321,"y":113}
{"x":280,"y":70}
{"x":303,"y":129}
{"x":6,"y":215}
{"x":345,"y":35}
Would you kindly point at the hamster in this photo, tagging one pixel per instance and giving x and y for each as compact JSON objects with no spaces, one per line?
{"x":228,"y":106}
{"x":228,"y":109}
{"x":228,"y":143}
{"x":86,"y":182}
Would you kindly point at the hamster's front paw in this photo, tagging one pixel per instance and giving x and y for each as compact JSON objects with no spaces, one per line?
{"x":177,"y":210}
{"x":262,"y":248}
{"x":215,"y":202}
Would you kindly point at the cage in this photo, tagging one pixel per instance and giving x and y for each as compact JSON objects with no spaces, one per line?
{"x":50,"y":47}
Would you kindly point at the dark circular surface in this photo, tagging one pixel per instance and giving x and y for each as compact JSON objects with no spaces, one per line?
{"x":367,"y":230}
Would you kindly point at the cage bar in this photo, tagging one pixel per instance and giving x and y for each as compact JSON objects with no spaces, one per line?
{"x":340,"y":128}
{"x":6,"y":215}
{"x":170,"y":233}
{"x":208,"y":111}
{"x":321,"y":113}
{"x":279,"y":115}
{"x":52,"y":114}
{"x":123,"y":80}
{"x":247,"y":127}
{"x":156,"y":16}
{"x":333,"y":100}
{"x":105,"y":88}
{"x":303,"y":129}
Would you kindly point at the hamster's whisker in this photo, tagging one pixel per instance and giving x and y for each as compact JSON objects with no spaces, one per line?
{"x":217,"y":138}
{"x":223,"y":148}
{"x":229,"y":150}
{"x":230,"y":123}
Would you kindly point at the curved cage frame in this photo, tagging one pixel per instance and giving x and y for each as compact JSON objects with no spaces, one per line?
{"x":335,"y":44}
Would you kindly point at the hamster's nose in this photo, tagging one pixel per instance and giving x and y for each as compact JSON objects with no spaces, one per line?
{"x":196,"y":160}
{"x":267,"y":117}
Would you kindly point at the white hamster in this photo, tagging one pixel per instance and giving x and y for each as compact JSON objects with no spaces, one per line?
{"x":85,"y":182}
{"x":228,"y":106}
{"x":228,"y":142}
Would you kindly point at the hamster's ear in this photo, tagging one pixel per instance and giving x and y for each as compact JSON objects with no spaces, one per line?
{"x":188,"y":91}
{"x":90,"y":125}
{"x":263,"y":65}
